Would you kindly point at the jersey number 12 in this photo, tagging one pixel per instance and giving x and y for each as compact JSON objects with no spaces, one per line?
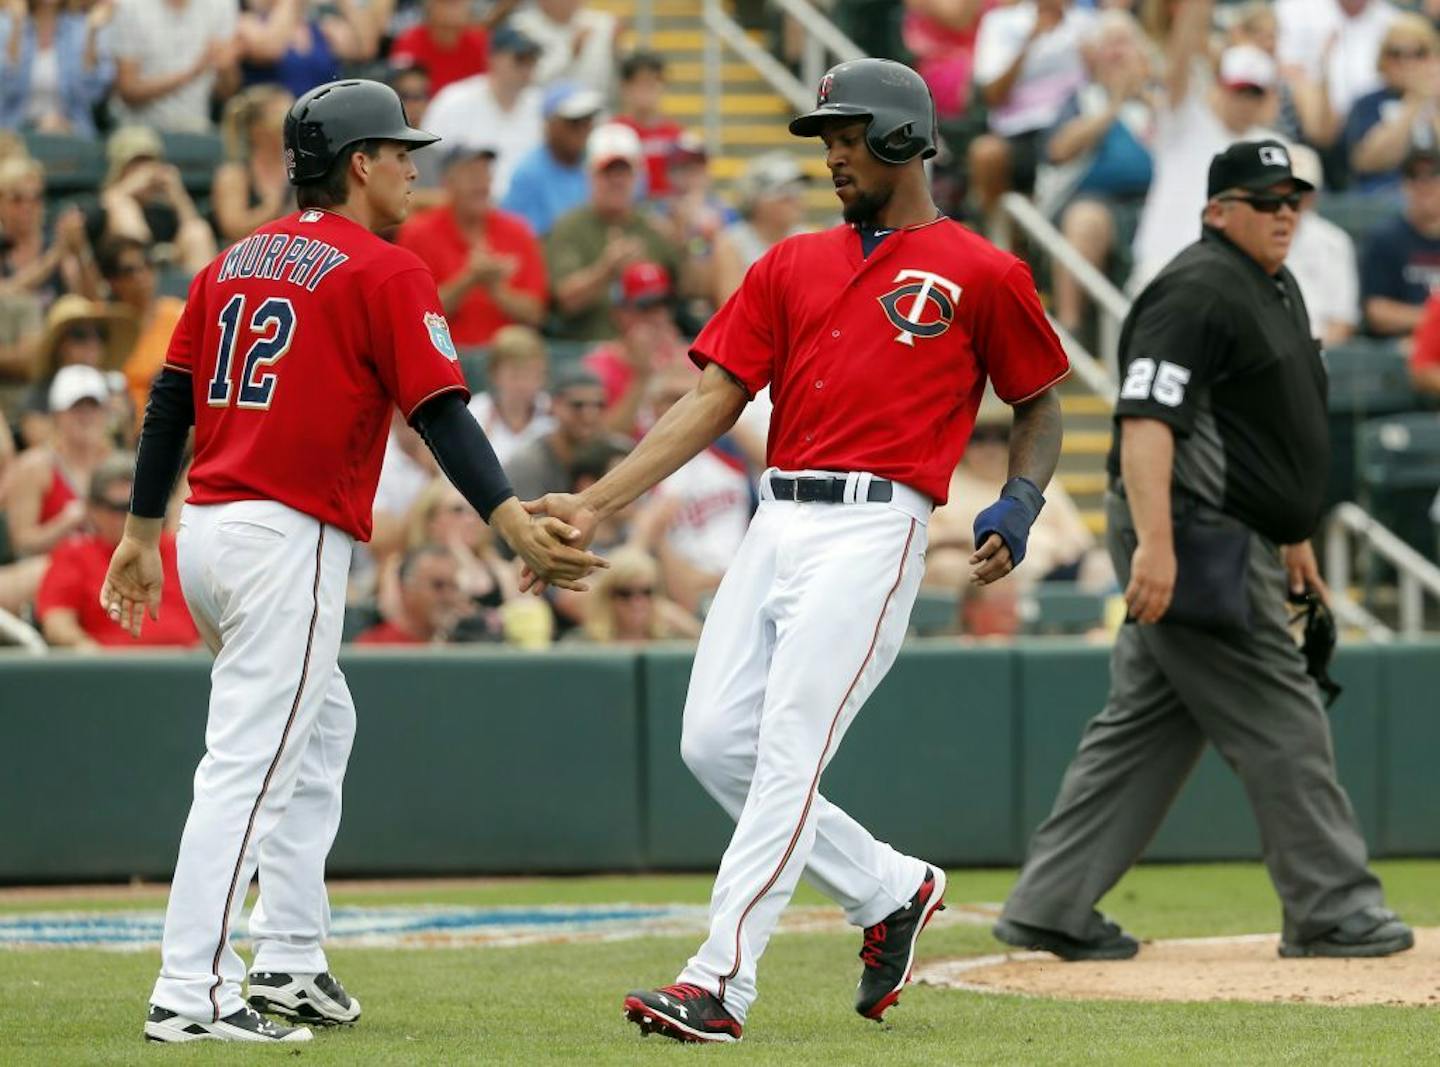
{"x":273,"y":328}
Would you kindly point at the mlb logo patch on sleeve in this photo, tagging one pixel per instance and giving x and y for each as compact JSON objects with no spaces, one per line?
{"x":439,"y":331}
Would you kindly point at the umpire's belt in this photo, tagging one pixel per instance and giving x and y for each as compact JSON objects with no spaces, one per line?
{"x":812,"y":490}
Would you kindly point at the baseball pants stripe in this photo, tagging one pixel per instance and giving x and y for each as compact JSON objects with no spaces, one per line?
{"x":806,"y":623}
{"x":266,"y":585}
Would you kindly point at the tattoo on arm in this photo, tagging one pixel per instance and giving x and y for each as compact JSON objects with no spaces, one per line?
{"x":1035,"y":438}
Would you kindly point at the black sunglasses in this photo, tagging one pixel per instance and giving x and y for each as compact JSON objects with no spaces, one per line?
{"x":1268,"y":204}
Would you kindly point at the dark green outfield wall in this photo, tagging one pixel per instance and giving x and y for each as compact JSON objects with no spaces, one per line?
{"x":490,"y":762}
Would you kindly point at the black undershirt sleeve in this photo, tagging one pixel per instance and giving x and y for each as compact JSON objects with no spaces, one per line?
{"x":463,"y":452}
{"x":169,"y":414}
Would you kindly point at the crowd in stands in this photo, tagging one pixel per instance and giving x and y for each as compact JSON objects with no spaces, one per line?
{"x":578,"y":240}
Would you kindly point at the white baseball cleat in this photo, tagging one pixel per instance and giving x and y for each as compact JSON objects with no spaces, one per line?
{"x":318,"y":999}
{"x":164,"y":1025}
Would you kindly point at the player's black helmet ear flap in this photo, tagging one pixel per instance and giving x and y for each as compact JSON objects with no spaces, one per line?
{"x":892,"y":96}
{"x":331,"y":117}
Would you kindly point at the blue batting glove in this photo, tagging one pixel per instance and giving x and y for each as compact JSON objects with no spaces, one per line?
{"x":1011,"y":517}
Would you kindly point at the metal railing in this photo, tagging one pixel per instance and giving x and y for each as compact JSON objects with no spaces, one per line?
{"x":1111,"y":304}
{"x":15,"y":631}
{"x":824,"y":46}
{"x":1415,"y":575}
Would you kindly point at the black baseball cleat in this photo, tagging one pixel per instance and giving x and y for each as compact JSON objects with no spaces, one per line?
{"x":684,"y":1012}
{"x":889,"y":949}
{"x":244,"y":1025}
{"x":1103,"y":940}
{"x":1369,"y":932}
{"x":303,"y":998}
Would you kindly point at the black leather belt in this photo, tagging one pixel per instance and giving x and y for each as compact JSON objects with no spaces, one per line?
{"x":826,"y":490}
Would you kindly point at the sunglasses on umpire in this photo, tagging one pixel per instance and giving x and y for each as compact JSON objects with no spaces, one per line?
{"x":1267,"y":204}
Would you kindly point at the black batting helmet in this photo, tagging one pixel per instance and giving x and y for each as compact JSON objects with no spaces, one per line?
{"x":331,"y":117}
{"x":892,"y":96}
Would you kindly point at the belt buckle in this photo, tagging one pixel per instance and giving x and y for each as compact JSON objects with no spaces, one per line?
{"x":812,"y":490}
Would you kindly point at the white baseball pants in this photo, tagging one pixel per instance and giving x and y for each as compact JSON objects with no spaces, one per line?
{"x":805,"y":624}
{"x":266,"y":587}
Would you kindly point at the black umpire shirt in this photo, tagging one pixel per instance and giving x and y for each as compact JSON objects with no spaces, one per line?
{"x":1222,"y":352}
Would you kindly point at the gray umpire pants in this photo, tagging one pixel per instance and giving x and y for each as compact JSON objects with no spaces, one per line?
{"x":1172,"y":689}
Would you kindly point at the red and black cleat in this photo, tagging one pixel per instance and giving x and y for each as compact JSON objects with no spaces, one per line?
{"x":683,"y":1012}
{"x":889,"y":949}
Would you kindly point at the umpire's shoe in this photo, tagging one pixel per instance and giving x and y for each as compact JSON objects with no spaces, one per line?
{"x":684,"y":1012}
{"x":1103,"y":940}
{"x":304,"y":998}
{"x":889,"y":949}
{"x":1371,"y":931}
{"x":244,"y":1025}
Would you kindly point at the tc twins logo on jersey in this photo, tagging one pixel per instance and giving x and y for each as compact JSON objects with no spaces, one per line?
{"x":923,"y":307}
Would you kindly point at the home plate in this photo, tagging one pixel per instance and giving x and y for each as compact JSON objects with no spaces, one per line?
{"x":1205,"y":969}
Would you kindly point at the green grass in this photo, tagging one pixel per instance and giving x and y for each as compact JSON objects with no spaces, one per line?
{"x":561,"y":1003}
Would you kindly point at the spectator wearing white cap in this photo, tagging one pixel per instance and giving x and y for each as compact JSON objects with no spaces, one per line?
{"x":771,"y":199}
{"x":1322,"y":258}
{"x":499,"y":110}
{"x":1199,"y":118}
{"x":590,"y":247}
{"x":551,"y":179}
{"x":1335,"y":41}
{"x":45,"y":499}
{"x":579,"y":43}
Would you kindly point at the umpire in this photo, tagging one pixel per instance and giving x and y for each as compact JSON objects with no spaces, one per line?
{"x":1218,"y":471}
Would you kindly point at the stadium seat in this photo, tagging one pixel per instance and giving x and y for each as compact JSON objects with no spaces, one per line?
{"x":1061,"y":608}
{"x":1368,"y":377}
{"x":1398,"y":461}
{"x":473,"y":362}
{"x":72,"y":164}
{"x":1357,"y":213}
{"x":173,"y":281}
{"x":197,"y":155}
{"x":935,"y":612}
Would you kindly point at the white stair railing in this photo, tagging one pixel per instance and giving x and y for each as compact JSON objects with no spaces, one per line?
{"x":1416,"y":576}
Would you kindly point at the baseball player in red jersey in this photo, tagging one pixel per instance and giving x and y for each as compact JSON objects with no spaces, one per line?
{"x":295,"y":345}
{"x":876,"y":339}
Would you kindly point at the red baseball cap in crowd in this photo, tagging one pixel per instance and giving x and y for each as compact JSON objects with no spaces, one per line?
{"x":644,"y":285}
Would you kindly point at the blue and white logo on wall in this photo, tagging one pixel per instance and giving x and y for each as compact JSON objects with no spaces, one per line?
{"x":440,"y":337}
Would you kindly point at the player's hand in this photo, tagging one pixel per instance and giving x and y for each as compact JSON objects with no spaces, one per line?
{"x":1303,"y":571}
{"x":1152,"y":582}
{"x":571,"y":510}
{"x":552,"y":549}
{"x":133,"y":584}
{"x":991,"y":561}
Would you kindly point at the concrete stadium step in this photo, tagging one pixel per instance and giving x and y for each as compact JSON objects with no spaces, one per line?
{"x":728,"y":167}
{"x":1087,"y":404}
{"x":1084,"y":483}
{"x":733,"y":75}
{"x":1087,"y":443}
{"x":1094,"y":521}
{"x":762,"y":136}
{"x":692,"y":106}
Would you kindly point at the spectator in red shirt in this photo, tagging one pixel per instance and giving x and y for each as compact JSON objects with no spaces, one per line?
{"x":431,"y":602}
{"x":68,"y":603}
{"x":489,"y":266}
{"x":447,"y":43}
{"x":1425,"y":353}
{"x":648,"y":342}
{"x":642,"y":85}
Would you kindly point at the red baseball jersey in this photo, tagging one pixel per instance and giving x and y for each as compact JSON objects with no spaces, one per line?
{"x":878,"y":364}
{"x":300,"y":340}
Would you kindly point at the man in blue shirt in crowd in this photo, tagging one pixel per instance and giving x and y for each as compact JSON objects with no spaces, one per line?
{"x":1401,"y":261}
{"x":551,"y":180}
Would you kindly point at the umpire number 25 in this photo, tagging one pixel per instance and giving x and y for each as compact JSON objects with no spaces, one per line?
{"x":272,"y":328}
{"x":1164,"y":383}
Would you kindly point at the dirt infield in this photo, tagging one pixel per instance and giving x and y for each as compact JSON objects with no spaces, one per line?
{"x":1208,"y":969}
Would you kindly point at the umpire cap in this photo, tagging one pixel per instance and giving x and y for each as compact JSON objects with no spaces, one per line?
{"x":893,"y":97}
{"x":330,"y":118}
